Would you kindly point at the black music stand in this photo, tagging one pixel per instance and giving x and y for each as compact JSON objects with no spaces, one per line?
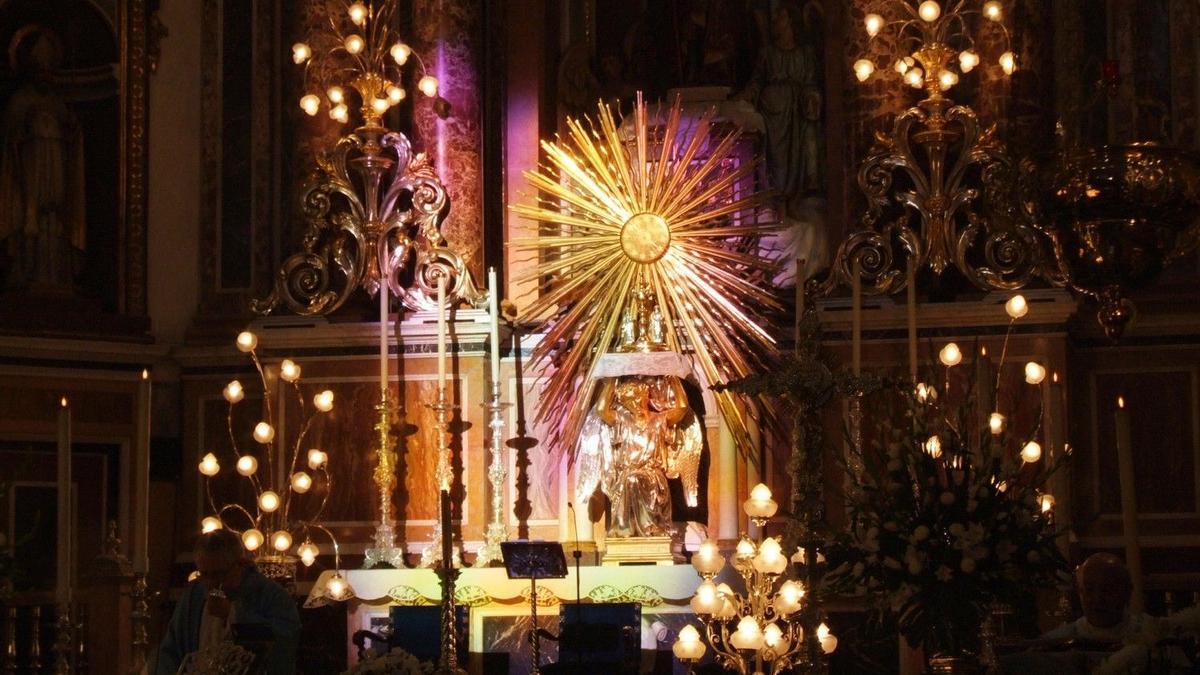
{"x":534,"y":560}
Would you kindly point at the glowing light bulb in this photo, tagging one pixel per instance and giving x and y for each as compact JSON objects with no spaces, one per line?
{"x":301,"y":482}
{"x":903,"y":64}
{"x":316,"y":459}
{"x":289,"y":371}
{"x":233,"y":392}
{"x":1047,"y":502}
{"x":874,"y":24}
{"x":379,"y":105}
{"x":209,"y":466}
{"x":773,"y":639}
{"x":950,"y":355}
{"x":252,"y":539}
{"x":338,"y":588}
{"x":706,"y":600}
{"x":354,"y":44}
{"x":748,"y":634}
{"x":947,"y":78}
{"x":790,"y":595}
{"x":933,"y":447}
{"x":1008,"y":62}
{"x":358,"y":13}
{"x":996,"y":422}
{"x":308,"y":553}
{"x":247,"y":341}
{"x":760,"y":504}
{"x":281,"y":540}
{"x":929,"y":11}
{"x":400,"y":53}
{"x":1016,"y":307}
{"x":335,"y":94}
{"x":268,"y":501}
{"x":863,"y":68}
{"x":925,"y":392}
{"x":247,"y":465}
{"x":1034,"y":372}
{"x":210,"y":524}
{"x":428,"y":86}
{"x":915,"y":77}
{"x":310,"y":104}
{"x":264,"y":433}
{"x":396,"y":94}
{"x":688,"y":646}
{"x":340,"y":113}
{"x":708,"y":559}
{"x":301,"y":53}
{"x":1032,"y":452}
{"x":323,"y":401}
{"x":967,"y":60}
{"x":993,"y":10}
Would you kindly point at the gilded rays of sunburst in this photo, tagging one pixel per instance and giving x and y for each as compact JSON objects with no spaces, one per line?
{"x":663,"y":207}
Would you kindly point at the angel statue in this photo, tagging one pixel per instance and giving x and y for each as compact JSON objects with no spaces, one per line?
{"x":641,"y":430}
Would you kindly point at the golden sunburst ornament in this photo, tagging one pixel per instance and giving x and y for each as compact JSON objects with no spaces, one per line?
{"x":662,"y":210}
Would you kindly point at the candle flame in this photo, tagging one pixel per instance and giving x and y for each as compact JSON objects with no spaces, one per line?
{"x":145,"y":374}
{"x":1054,"y":377}
{"x":983,"y":350}
{"x":1120,"y":401}
{"x":63,"y":402}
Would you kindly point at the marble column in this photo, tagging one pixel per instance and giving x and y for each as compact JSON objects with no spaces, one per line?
{"x":447,"y":35}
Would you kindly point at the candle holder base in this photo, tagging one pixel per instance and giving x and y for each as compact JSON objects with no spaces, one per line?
{"x":431,"y":555}
{"x":489,"y":555}
{"x":385,"y":551}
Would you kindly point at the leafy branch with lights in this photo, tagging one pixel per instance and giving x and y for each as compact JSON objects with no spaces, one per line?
{"x":951,"y":512}
{"x":279,"y":516}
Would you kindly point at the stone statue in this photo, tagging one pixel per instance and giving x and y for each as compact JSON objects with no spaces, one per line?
{"x":42,"y":218}
{"x":641,"y":430}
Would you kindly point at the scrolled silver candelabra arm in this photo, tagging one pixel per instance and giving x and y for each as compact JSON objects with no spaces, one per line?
{"x":497,"y":473}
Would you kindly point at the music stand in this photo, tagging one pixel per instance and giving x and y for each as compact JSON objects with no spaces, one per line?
{"x":534,"y":560}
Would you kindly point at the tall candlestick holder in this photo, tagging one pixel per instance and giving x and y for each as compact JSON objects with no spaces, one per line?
{"x":497,"y":472}
{"x":385,"y":550}
{"x":64,"y":640}
{"x":444,"y":475}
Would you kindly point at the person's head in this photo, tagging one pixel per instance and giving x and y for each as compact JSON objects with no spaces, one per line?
{"x":220,"y":559}
{"x":1104,"y":588}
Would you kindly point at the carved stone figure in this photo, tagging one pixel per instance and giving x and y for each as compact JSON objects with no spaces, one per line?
{"x":42,"y":218}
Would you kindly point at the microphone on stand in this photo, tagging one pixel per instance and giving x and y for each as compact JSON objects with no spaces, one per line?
{"x":577,"y":554}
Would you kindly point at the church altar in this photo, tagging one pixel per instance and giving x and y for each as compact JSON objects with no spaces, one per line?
{"x":498,"y":605}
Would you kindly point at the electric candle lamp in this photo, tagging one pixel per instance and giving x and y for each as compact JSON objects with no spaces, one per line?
{"x":380,"y":105}
{"x":1016,"y":307}
{"x":1032,"y":452}
{"x":247,"y":465}
{"x":743,"y":553}
{"x":874,"y":24}
{"x":933,"y":447}
{"x":967,"y":60}
{"x":428,"y":86}
{"x":395,"y":94}
{"x":688,"y":647}
{"x":354,"y":44}
{"x":310,"y":104}
{"x":1047,"y":502}
{"x":929,"y":11}
{"x":947,"y":78}
{"x":1008,"y":61}
{"x":826,"y":638}
{"x":338,"y":588}
{"x":301,"y":482}
{"x":770,"y":558}
{"x":301,"y":53}
{"x":317,"y":459}
{"x":728,"y":609}
{"x":335,"y":94}
{"x":252,"y":539}
{"x":289,"y":371}
{"x":707,"y":599}
{"x":247,"y":341}
{"x":760,"y":506}
{"x":358,"y":13}
{"x":996,"y":422}
{"x":1034,"y":372}
{"x":915,"y":77}
{"x":707,"y":559}
{"x":863,"y":68}
{"x":308,"y":553}
{"x":950,"y":355}
{"x":774,"y":641}
{"x":903,"y":64}
{"x":925,"y":393}
{"x":209,"y":466}
{"x":210,"y":524}
{"x":748,"y":635}
{"x":264,"y":433}
{"x":268,"y":501}
{"x":281,"y":540}
{"x":323,"y":401}
{"x":789,"y":598}
{"x":400,"y":53}
{"x":340,"y":113}
{"x":992,"y":10}
{"x":233,"y":392}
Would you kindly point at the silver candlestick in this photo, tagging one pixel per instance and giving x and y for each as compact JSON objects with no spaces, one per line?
{"x":385,"y":550}
{"x":444,"y":475}
{"x":497,"y":472}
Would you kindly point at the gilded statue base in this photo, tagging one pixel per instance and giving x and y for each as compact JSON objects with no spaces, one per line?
{"x":623,"y":550}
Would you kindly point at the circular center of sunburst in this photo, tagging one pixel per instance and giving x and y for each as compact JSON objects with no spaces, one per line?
{"x":645,"y":237}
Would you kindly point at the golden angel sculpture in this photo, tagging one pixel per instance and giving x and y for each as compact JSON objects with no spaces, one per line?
{"x":641,"y":430}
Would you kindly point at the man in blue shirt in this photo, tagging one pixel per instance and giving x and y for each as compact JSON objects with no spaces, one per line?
{"x":230,"y":590}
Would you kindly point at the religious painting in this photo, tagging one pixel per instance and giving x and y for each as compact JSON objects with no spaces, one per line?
{"x":72,"y":179}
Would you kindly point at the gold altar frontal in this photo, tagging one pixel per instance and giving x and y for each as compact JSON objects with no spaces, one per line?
{"x":498,"y":603}
{"x":625,"y":550}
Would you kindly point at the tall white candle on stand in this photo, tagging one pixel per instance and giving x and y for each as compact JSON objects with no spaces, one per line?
{"x":65,"y":561}
{"x":441,"y":303}
{"x":384,"y":315}
{"x":1129,"y":522}
{"x":494,"y":326}
{"x":856,"y":316}
{"x":141,"y":478}
{"x":912,"y":318}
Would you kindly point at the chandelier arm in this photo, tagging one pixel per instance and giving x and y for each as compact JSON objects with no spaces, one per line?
{"x":237,"y":453}
{"x":238,"y":507}
{"x":316,"y":517}
{"x":295,"y":459}
{"x":267,"y":404}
